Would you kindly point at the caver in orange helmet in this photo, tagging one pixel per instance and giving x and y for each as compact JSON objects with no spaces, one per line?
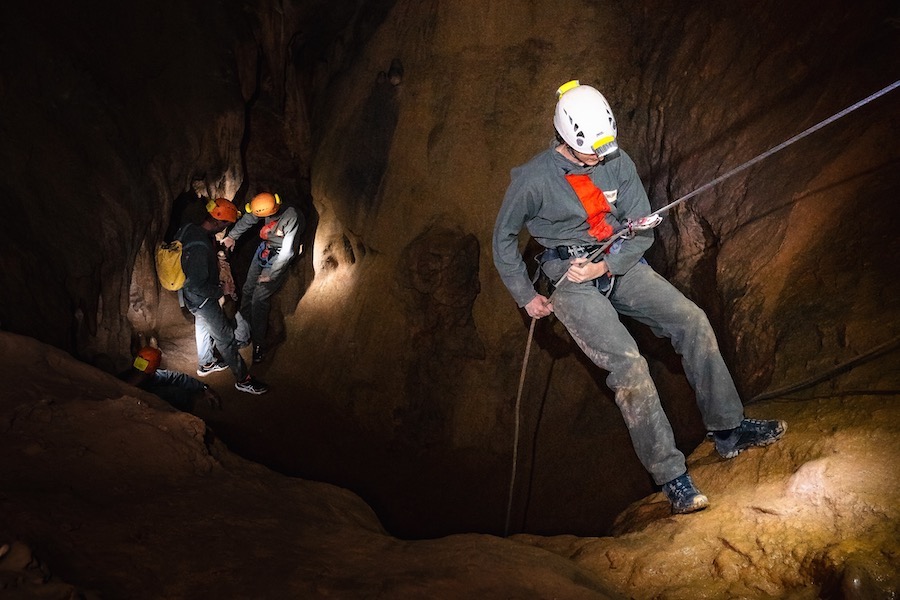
{"x":263,"y":205}
{"x":223,"y":210}
{"x":148,"y":359}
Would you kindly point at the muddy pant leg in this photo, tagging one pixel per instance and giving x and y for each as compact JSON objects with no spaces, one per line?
{"x":262,"y":294}
{"x":204,"y":340}
{"x":222,"y":333}
{"x":647,"y":297}
{"x":595,"y":326}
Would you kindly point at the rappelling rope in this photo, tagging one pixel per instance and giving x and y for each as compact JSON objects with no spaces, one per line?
{"x":512,"y":477}
{"x":875,"y":352}
{"x":626,"y":230}
{"x":781,"y":146}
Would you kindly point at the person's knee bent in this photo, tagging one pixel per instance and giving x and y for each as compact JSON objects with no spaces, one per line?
{"x":699,"y":323}
{"x":632,"y":383}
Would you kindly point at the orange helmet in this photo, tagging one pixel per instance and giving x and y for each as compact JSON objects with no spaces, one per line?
{"x":263,"y":205}
{"x":223,"y":210}
{"x":148,"y":359}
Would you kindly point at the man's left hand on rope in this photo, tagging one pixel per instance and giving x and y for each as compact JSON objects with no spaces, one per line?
{"x":582,"y":270}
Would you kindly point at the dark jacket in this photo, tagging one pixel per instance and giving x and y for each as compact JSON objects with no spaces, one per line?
{"x":200,"y":265}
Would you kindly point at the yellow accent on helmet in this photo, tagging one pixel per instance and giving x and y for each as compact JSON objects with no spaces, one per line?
{"x":223,"y":210}
{"x":148,"y":359}
{"x":566,"y":87}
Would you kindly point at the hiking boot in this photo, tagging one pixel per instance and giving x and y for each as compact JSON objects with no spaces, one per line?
{"x":684,"y":496}
{"x":251,"y":386}
{"x":750,"y":433}
{"x":204,"y":370}
{"x":259,"y":354}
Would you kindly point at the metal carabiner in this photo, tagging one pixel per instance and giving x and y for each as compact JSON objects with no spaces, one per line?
{"x":644,"y":223}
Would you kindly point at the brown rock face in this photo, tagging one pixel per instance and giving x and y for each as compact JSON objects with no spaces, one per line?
{"x":393,"y":126}
{"x":108,"y":492}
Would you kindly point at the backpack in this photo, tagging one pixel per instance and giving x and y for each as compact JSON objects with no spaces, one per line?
{"x":168,"y":263}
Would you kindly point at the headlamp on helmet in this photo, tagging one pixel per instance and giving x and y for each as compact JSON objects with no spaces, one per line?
{"x":584,"y":120}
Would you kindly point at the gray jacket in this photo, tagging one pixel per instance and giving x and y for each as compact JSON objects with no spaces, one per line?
{"x":282,"y":234}
{"x":540,"y":199}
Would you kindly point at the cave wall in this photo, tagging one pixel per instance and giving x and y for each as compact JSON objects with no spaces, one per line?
{"x":110,"y":111}
{"x":697,"y":91}
{"x":733,"y":82}
{"x":113,"y":111}
{"x":394,"y":312}
{"x":783,"y":254}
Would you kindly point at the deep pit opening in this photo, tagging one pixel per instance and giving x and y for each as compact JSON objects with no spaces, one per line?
{"x":428,"y":491}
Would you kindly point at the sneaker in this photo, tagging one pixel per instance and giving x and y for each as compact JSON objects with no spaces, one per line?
{"x":684,"y":496}
{"x":259,"y":354}
{"x":251,"y":386}
{"x":204,"y":370}
{"x":750,"y":433}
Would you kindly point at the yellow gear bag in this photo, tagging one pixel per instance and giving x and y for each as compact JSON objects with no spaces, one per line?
{"x":168,"y":265}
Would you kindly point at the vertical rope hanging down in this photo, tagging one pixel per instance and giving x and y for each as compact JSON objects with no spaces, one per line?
{"x":512,"y":477}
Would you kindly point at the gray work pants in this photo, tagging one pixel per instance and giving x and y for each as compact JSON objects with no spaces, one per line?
{"x":256,"y":303}
{"x":644,"y":295}
{"x":211,"y":327}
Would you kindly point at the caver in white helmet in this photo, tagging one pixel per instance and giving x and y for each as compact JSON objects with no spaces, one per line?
{"x":584,"y":120}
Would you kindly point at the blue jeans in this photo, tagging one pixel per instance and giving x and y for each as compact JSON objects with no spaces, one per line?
{"x":212,"y":329}
{"x":641,"y":293}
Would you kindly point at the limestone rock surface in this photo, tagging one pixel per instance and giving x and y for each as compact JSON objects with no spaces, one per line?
{"x":109,"y":492}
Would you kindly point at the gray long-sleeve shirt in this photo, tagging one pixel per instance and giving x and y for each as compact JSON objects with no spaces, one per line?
{"x":282,"y":230}
{"x":541,"y":199}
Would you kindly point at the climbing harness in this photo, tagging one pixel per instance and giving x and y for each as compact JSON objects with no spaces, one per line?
{"x":624,"y":233}
{"x":653,"y":220}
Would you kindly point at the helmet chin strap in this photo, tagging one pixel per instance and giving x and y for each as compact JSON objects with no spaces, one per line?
{"x":571,"y":156}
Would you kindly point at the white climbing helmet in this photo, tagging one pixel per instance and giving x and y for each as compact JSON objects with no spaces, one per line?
{"x":584,"y":119}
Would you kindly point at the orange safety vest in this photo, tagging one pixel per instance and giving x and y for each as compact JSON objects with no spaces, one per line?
{"x":595,"y":205}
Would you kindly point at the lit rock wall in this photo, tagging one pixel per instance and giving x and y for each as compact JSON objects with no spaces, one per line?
{"x":788,"y":257}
